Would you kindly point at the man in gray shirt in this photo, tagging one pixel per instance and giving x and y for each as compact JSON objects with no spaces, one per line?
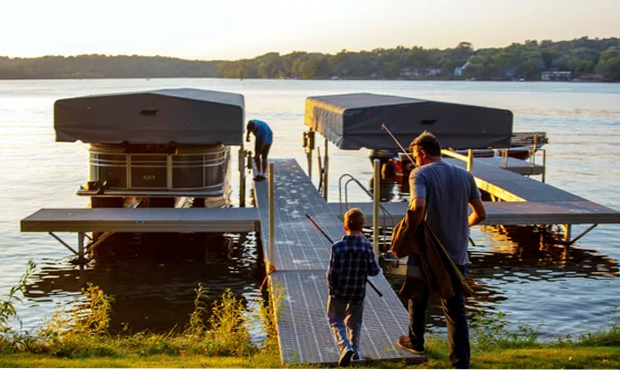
{"x":442,"y":192}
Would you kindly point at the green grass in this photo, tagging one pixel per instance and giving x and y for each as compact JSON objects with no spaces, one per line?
{"x":553,"y":357}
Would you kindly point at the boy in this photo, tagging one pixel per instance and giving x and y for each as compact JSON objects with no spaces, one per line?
{"x":264,"y":138}
{"x":352,"y":260}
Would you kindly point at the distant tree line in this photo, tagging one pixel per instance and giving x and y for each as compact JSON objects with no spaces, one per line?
{"x":595,"y":58}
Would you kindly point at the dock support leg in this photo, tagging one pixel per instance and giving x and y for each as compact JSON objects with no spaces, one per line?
{"x":63,"y":243}
{"x":81,"y":258}
{"x":567,"y":229}
{"x":241,"y":177}
{"x":571,"y":242}
{"x":326,"y":167}
{"x":375,"y":212}
{"x":272,"y":229}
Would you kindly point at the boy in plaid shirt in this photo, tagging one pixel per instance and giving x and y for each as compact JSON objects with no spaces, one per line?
{"x":352,"y":260}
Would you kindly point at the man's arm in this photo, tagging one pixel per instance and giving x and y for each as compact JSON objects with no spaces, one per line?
{"x":417,"y":205}
{"x":416,"y":211}
{"x":479,"y":213}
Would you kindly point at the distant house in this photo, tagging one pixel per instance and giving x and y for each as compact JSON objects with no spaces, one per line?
{"x":415,"y":73}
{"x":556,"y":76}
{"x":591,"y":77}
{"x":459,"y":71}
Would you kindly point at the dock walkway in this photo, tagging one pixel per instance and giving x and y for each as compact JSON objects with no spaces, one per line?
{"x":301,"y":256}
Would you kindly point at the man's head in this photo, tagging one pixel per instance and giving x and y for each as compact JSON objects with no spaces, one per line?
{"x":425,"y":149}
{"x":354,"y":220}
{"x":251,"y":126}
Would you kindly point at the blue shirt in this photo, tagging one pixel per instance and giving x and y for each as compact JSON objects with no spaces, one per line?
{"x":447,"y":190}
{"x":263,"y":132}
{"x":352,"y":260}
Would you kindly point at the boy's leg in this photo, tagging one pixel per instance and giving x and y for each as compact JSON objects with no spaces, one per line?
{"x":353,"y":320}
{"x":336,"y":312}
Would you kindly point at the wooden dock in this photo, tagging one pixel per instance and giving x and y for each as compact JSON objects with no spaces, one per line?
{"x":301,"y":256}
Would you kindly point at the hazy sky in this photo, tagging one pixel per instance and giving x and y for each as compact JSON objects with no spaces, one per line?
{"x":234,"y":29}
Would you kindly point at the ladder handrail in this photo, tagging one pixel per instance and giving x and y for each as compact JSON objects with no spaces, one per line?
{"x":364,"y":189}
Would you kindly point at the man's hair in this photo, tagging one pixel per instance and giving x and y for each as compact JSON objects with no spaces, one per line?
{"x":427,"y":142}
{"x":354,"y":219}
{"x":251,"y":125}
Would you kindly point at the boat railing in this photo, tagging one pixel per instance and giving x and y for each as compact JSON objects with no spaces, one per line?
{"x":198,"y":169}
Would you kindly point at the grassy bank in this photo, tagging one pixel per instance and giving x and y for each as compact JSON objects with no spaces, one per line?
{"x":549,"y":357}
{"x":78,"y":337}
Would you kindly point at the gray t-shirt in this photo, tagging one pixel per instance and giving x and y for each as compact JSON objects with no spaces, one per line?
{"x":447,"y":190}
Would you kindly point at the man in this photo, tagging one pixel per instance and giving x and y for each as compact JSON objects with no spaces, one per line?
{"x":442,"y":192}
{"x":264,"y":138}
{"x":352,"y":260}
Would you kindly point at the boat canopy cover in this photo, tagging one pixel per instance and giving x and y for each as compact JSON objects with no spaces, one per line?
{"x":354,"y":121}
{"x":182,"y":116}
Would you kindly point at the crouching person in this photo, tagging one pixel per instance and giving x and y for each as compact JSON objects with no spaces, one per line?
{"x":352,"y":260}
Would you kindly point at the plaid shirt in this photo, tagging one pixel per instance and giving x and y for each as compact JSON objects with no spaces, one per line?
{"x":352,"y":260}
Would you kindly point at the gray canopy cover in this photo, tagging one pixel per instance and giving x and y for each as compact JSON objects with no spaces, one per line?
{"x":182,"y":116}
{"x":353,"y":121}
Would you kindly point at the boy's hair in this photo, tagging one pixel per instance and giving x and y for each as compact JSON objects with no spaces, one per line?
{"x":251,"y":126}
{"x":427,"y":142}
{"x":354,"y":219}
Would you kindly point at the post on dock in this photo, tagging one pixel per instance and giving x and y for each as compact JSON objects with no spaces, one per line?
{"x":308,"y":145}
{"x":326,"y":171}
{"x":544,"y":164}
{"x":470,"y":160}
{"x":241,"y":177}
{"x":375,"y":203}
{"x":272,"y":216}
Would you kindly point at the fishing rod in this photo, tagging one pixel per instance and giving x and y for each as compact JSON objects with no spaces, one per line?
{"x":384,"y":127}
{"x":331,"y":241}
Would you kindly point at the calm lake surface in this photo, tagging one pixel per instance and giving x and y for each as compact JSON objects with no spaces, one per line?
{"x":558,"y":292}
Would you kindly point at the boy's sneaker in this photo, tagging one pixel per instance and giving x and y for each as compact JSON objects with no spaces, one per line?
{"x":405,"y":343}
{"x":345,"y":357}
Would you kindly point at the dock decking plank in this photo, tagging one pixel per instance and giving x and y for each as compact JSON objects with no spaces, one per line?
{"x":512,"y":186}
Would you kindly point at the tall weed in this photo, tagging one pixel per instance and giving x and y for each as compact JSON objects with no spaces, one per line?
{"x":490,"y":332}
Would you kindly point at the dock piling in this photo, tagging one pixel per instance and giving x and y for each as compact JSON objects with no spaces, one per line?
{"x":272,"y":228}
{"x":241,"y":177}
{"x":376,"y":202}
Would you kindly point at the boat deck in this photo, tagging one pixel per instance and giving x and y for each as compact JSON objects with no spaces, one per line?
{"x":301,"y":256}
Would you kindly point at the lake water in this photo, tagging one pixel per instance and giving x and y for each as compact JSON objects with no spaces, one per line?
{"x":554,"y":290}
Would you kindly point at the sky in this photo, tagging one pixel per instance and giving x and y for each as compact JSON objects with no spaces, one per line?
{"x":237,"y":29}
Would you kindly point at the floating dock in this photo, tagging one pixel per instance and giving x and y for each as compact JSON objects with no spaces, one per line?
{"x":519,"y":200}
{"x":301,"y":255}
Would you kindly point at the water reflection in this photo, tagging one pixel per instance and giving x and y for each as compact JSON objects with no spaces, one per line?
{"x":153,"y":276}
{"x":520,"y":255}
